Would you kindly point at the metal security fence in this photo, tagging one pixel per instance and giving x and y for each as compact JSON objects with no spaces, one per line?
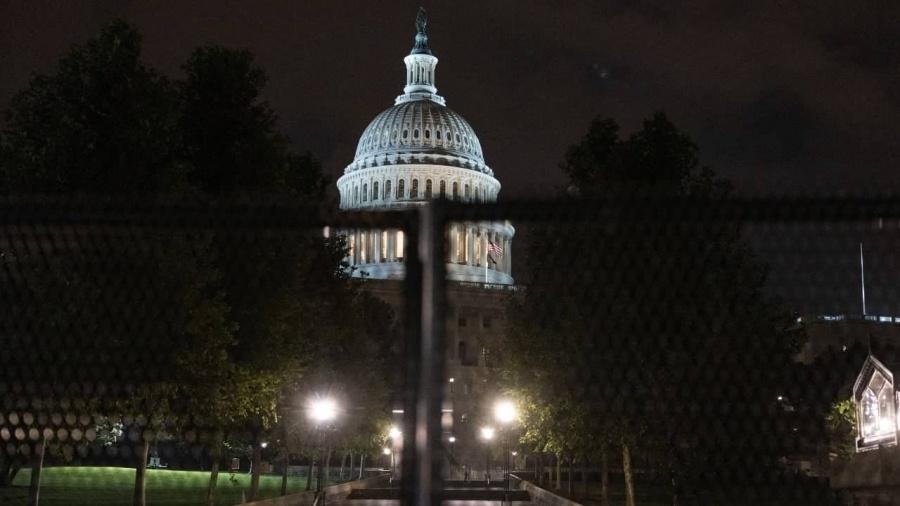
{"x":683,"y":351}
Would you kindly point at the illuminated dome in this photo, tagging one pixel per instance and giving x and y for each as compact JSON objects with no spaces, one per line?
{"x":415,"y":151}
{"x":424,"y":130}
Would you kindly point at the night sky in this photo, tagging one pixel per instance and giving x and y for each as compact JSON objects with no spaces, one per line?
{"x":783,"y":97}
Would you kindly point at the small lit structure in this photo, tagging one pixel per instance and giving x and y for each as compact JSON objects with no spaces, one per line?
{"x":876,"y":406}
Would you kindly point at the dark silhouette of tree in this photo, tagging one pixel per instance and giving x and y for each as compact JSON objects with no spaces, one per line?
{"x":102,"y":123}
{"x":656,"y":328}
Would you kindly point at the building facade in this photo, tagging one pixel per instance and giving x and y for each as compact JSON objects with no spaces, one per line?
{"x":415,"y":151}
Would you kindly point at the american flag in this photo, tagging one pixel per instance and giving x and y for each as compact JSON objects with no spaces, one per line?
{"x":495,"y":251}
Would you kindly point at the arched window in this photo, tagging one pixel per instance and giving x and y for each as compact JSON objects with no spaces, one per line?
{"x":387,"y":189}
{"x":427,"y":133}
{"x":443,"y":188}
{"x":466,"y":194}
{"x":427,"y":188}
{"x":365,"y":191}
{"x":416,"y":133}
{"x":455,"y":190}
{"x":405,"y":134}
{"x":401,"y":190}
{"x":375,"y":190}
{"x":356,"y":194}
{"x":414,"y":189}
{"x":438,"y":134}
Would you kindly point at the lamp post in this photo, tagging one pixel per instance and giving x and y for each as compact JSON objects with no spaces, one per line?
{"x":505,"y":413}
{"x":487,"y":434}
{"x":395,"y":435}
{"x":321,"y":411}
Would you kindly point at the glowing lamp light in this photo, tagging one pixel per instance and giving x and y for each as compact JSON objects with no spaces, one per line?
{"x":263,"y":444}
{"x":394,"y":433}
{"x":323,"y":409}
{"x":505,"y":411}
{"x":386,"y":451}
{"x":452,"y":439}
{"x":487,"y":433}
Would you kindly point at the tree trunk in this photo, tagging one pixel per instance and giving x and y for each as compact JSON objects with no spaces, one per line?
{"x":37,"y":466}
{"x":216,"y":456}
{"x":213,"y":482}
{"x":140,"y":474}
{"x":255,"y":471}
{"x":362,"y":464}
{"x":537,"y":469}
{"x":604,"y":477}
{"x":558,"y":472}
{"x":584,"y":477}
{"x":327,"y":474}
{"x":570,"y":489}
{"x":309,"y":473}
{"x":350,"y":474}
{"x":284,"y":472}
{"x":341,"y":474}
{"x":626,"y":471}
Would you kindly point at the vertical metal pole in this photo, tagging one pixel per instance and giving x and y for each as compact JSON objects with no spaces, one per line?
{"x":425,"y":272}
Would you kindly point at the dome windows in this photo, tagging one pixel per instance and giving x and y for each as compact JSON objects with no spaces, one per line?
{"x":387,"y":189}
{"x":437,"y":134}
{"x":414,"y":189}
{"x":416,"y":133}
{"x":455,"y":190}
{"x":427,"y":133}
{"x":428,"y":188}
{"x":405,"y":134}
{"x":443,"y":189}
{"x":365,"y":192}
{"x":375,"y":190}
{"x":401,"y":189}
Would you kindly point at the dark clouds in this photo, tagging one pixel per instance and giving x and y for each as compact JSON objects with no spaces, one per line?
{"x":781,"y":96}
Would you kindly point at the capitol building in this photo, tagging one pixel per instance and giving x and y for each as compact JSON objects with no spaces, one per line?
{"x":415,"y":151}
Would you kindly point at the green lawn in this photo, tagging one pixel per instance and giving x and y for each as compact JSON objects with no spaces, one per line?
{"x":89,"y":486}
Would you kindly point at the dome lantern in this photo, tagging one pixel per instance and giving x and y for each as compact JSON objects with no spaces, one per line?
{"x":420,"y":67}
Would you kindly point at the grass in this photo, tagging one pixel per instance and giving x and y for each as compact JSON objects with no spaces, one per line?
{"x":100,"y":486}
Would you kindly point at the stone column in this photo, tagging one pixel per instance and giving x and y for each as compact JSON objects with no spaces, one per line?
{"x":470,"y":246}
{"x":454,"y":243}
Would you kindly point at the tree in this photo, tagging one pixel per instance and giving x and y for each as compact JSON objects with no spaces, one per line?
{"x":102,"y":123}
{"x":660,"y":330}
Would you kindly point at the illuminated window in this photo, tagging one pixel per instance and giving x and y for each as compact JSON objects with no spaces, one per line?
{"x":414,"y":189}
{"x":400,"y":245}
{"x":875,"y":404}
{"x":363,"y":247}
{"x":351,"y":246}
{"x":387,"y":189}
{"x":401,"y":190}
{"x":427,"y":188}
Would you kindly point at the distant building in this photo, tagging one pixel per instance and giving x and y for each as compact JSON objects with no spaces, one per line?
{"x":415,"y":151}
{"x":841,"y":332}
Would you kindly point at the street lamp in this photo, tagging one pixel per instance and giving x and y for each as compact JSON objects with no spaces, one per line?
{"x":321,"y":411}
{"x":487,"y":433}
{"x":506,"y":413}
